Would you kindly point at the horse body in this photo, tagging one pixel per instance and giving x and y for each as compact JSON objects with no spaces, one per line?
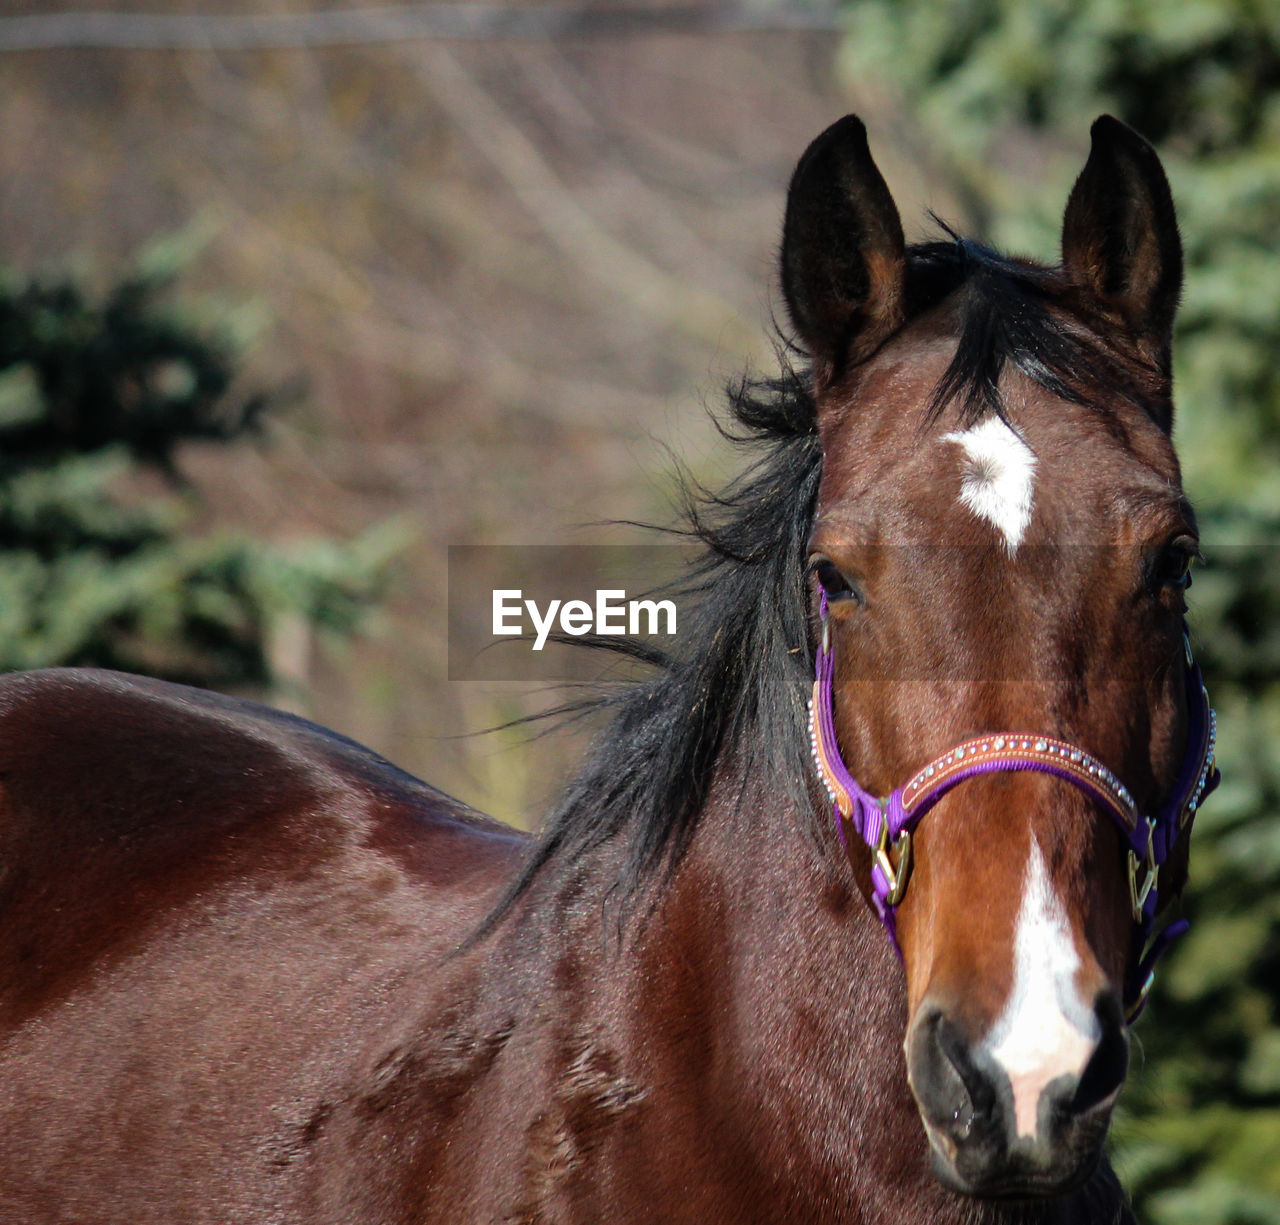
{"x":251,"y":972}
{"x":230,"y":996}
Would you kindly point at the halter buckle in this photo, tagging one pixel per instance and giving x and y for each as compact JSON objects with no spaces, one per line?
{"x":1132,"y":1012}
{"x":1139,"y":892}
{"x":895,"y":877}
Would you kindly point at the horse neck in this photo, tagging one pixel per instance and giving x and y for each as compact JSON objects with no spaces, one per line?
{"x":754,"y":993}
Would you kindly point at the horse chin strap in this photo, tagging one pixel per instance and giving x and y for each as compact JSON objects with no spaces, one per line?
{"x":886,"y":823}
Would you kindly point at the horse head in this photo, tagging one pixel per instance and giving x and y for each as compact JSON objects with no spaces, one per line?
{"x":1000,"y":553}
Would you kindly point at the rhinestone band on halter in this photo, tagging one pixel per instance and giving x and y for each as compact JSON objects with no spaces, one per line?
{"x":1010,"y":752}
{"x":1208,"y":771}
{"x":840,"y":796}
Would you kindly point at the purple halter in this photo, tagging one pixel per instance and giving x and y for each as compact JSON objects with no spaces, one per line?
{"x":886,"y":823}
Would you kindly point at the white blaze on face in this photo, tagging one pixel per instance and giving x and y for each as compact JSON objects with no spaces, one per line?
{"x":1046,"y":1030}
{"x":997,"y":477}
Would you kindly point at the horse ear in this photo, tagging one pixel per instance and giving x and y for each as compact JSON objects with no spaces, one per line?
{"x":843,"y":257}
{"x":1120,"y":236}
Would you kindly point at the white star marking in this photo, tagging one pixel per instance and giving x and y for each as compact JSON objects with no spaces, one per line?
{"x":997,"y":477}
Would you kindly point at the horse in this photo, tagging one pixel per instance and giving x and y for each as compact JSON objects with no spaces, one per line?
{"x":846,"y":915}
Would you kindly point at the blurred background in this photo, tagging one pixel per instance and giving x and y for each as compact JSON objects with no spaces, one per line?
{"x":295,"y":294}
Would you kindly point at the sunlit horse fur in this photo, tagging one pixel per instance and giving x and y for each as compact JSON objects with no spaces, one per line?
{"x":251,"y":972}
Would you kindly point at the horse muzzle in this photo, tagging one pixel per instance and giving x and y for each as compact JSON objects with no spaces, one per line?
{"x":1030,"y":1129}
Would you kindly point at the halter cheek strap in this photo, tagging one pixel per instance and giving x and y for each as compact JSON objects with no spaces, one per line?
{"x":886,"y":823}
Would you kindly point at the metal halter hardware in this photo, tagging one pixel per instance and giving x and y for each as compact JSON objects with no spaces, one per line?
{"x":886,"y":823}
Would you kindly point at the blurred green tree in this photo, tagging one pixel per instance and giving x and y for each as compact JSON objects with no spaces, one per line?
{"x":1199,"y":1138}
{"x":93,"y":392}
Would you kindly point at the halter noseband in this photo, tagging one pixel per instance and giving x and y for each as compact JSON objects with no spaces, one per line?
{"x":886,"y":823}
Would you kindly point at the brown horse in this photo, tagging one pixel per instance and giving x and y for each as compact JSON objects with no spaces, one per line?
{"x":251,"y":972}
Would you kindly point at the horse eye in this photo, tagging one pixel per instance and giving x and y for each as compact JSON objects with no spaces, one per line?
{"x":835,"y":584}
{"x":1172,"y":565}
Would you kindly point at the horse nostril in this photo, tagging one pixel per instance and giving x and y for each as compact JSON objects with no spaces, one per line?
{"x":951,"y":1091}
{"x":1109,"y":1064}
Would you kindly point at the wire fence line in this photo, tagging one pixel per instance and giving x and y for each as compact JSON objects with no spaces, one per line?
{"x":346,"y":27}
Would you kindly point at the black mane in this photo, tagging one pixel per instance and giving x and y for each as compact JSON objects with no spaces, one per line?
{"x":736,"y":688}
{"x":1008,"y":317}
{"x":736,"y":680}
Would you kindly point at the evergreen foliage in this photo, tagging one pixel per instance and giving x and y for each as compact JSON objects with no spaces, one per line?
{"x":93,"y":391}
{"x":1199,"y":1136}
